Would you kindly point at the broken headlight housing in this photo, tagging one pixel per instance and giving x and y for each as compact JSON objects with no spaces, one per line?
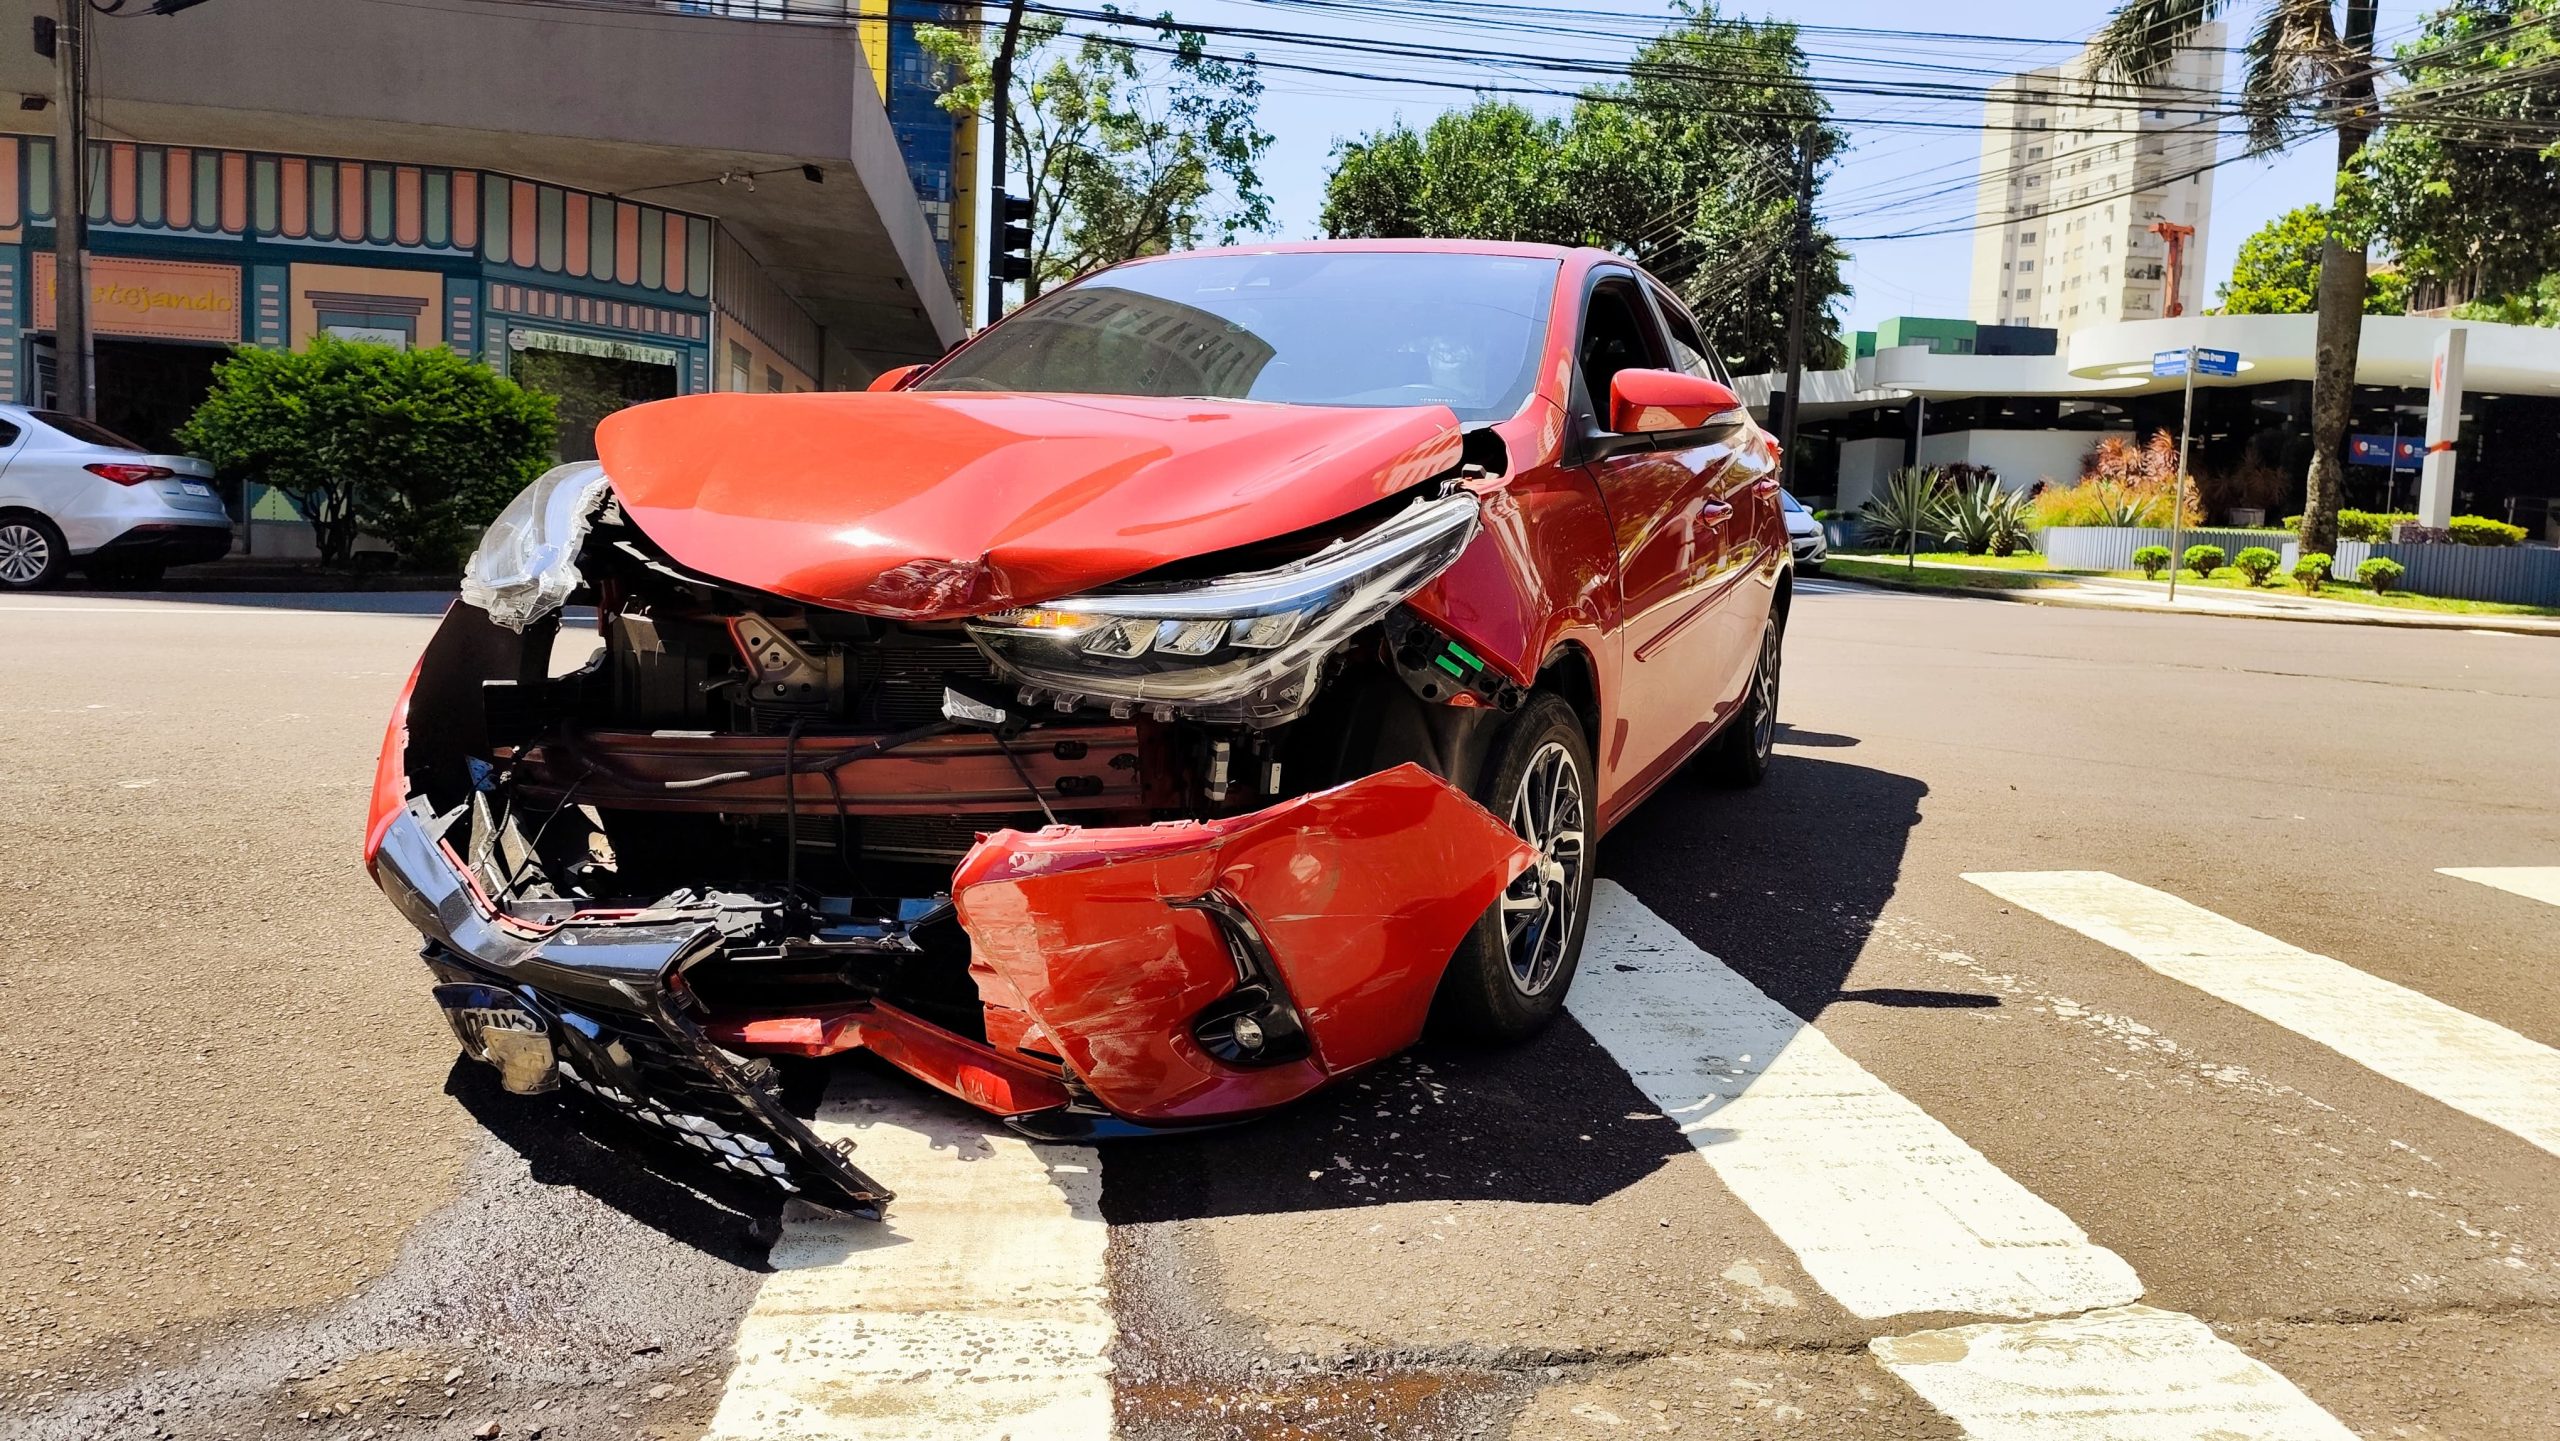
{"x":527,"y":563}
{"x":1241,"y":648}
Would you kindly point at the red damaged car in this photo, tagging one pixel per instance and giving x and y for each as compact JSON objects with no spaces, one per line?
{"x":1168,"y":702}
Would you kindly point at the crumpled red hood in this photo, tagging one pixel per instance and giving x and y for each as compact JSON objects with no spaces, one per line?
{"x":929,"y":506}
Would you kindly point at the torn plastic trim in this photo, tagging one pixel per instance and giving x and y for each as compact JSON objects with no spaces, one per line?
{"x":527,"y":564}
{"x":1242,"y":648}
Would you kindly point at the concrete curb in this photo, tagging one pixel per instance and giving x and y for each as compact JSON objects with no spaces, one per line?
{"x":2060,"y":596}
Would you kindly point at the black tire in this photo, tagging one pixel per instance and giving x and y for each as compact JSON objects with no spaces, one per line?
{"x":1738,"y":758}
{"x":128,"y":575}
{"x":1484,"y":997}
{"x":32,"y":555}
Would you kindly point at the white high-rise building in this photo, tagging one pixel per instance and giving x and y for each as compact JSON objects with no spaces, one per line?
{"x":2075,"y":171}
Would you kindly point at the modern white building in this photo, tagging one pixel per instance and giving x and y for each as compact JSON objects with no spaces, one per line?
{"x":2075,"y":171}
{"x":2031,"y":418}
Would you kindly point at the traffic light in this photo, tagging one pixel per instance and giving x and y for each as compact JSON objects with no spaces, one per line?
{"x":1013,"y":238}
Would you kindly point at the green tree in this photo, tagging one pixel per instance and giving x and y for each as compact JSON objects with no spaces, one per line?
{"x":2278,"y":271}
{"x":2309,"y":66}
{"x":415,"y":446}
{"x":1687,"y":166}
{"x":1122,"y":152}
{"x":2459,"y":185}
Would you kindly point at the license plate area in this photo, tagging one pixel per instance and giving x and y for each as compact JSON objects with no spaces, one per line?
{"x":497,"y":1029}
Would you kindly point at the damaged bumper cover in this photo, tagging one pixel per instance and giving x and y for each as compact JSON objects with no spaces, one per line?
{"x":1173,"y":975}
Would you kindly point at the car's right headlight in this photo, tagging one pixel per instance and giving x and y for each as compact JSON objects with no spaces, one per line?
{"x":527,"y":563}
{"x":1241,"y":647}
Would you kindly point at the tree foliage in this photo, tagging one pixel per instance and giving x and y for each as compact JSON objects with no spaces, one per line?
{"x":414,"y":446}
{"x":1688,"y":166}
{"x":1122,"y":153}
{"x":2277,"y":271}
{"x":2462,"y":197}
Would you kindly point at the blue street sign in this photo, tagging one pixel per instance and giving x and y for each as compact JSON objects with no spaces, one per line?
{"x":2172,"y":363}
{"x":2411,"y":452}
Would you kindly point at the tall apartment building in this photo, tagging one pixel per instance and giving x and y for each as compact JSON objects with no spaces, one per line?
{"x":2075,"y":171}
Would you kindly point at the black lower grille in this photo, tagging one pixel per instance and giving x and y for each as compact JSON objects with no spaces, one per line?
{"x":654,"y":1074}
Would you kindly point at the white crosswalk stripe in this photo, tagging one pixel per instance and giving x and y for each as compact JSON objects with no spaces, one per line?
{"x":1891,"y":1212}
{"x":2163,"y":1377}
{"x":977,"y":1310}
{"x":2475,"y":1066}
{"x":1888,"y":1209}
{"x":2534,"y":883}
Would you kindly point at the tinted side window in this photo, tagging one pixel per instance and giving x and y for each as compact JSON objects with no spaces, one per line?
{"x":1688,"y":352}
{"x":1617,"y":334}
{"x":8,"y":435}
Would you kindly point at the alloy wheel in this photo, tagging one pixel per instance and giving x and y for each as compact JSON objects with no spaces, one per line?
{"x":1764,"y":694}
{"x":24,"y":553}
{"x":1540,"y":908}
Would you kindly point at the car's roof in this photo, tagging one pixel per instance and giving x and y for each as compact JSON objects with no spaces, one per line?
{"x":1515,"y":248}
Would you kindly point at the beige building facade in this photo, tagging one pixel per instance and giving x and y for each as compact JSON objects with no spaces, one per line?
{"x":2075,"y":172}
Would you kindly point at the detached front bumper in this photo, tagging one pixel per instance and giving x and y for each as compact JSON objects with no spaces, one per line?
{"x":1173,"y":975}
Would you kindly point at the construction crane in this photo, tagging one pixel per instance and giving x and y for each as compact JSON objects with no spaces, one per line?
{"x":2176,"y":236}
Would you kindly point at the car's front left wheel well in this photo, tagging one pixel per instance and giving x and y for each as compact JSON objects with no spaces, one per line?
{"x":1568,"y":672}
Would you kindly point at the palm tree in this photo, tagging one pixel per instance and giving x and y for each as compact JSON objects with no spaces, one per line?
{"x":2309,"y":65}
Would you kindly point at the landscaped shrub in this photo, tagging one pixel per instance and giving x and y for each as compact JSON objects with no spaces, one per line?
{"x":1977,"y":514}
{"x":2382,"y":573}
{"x":2309,"y":571}
{"x":2257,"y":563}
{"x":2153,"y":559}
{"x":2120,"y":484}
{"x":2204,"y":560}
{"x":2368,"y":525}
{"x":415,"y":446}
{"x":2481,"y":530}
{"x":2010,"y":529}
{"x":1906,"y":510}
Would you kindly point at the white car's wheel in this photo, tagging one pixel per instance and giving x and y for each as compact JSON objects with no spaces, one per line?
{"x":32,"y":555}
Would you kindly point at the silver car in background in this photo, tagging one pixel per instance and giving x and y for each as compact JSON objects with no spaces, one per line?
{"x":1804,"y":533}
{"x":73,"y":492}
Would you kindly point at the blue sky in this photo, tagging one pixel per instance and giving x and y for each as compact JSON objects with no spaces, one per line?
{"x":1308,"y":114}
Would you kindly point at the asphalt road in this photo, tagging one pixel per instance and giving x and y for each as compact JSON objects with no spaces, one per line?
{"x":1838,"y":1143}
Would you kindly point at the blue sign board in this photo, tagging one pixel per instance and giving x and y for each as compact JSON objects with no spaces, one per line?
{"x":2409,"y":452}
{"x":2171,"y":363}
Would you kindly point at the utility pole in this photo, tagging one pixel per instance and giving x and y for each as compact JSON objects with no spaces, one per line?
{"x":2178,"y":488}
{"x":1801,"y":253}
{"x":74,"y":383}
{"x":1003,"y":101}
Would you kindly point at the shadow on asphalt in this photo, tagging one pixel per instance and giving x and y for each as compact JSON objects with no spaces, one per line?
{"x":566,"y":1140}
{"x":1783,"y":883}
{"x":340,"y":602}
{"x":1790,"y":736}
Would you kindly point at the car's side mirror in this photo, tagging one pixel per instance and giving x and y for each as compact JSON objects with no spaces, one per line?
{"x":893,"y":379}
{"x":1670,"y":402}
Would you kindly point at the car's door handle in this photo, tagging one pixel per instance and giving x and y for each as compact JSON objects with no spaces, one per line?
{"x":1714,"y":512}
{"x":1766,"y":486}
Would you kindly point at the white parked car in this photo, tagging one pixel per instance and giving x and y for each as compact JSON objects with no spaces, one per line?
{"x":1804,"y":533}
{"x":73,"y":492}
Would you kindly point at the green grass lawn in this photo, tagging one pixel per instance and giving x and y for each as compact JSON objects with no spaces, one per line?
{"x":1870,"y":568}
{"x":2229,"y":578}
{"x":2019,"y":573}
